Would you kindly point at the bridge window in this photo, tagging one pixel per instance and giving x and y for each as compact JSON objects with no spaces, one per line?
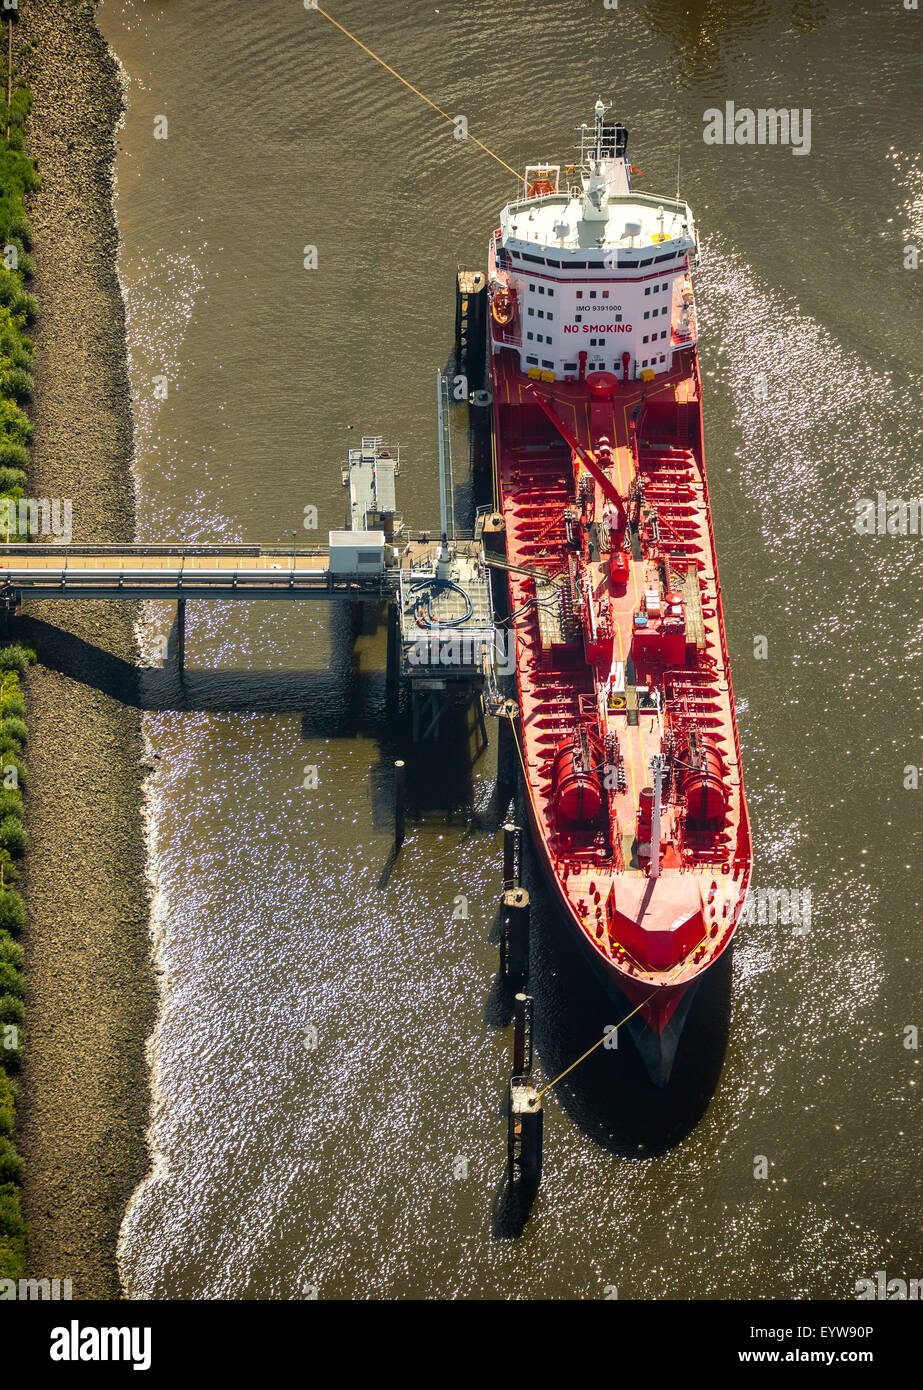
{"x":570,"y":366}
{"x":530,"y":336}
{"x":533,"y":361}
{"x":547,"y":364}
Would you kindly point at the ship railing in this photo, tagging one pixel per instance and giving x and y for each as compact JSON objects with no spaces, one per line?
{"x":717,"y":585}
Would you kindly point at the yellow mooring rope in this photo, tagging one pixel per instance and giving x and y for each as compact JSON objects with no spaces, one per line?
{"x":591,"y":1049}
{"x":413,"y":89}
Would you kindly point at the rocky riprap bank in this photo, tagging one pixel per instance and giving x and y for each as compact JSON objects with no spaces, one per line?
{"x":91,"y":996}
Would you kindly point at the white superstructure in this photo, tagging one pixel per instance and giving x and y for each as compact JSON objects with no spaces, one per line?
{"x":583,"y":276}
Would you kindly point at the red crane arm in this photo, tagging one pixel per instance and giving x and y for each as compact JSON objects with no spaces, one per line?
{"x":584,"y":455}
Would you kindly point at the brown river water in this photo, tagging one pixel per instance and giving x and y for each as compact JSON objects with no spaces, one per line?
{"x":329,"y":1064}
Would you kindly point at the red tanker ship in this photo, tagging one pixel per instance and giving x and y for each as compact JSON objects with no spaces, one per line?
{"x":628,"y":733}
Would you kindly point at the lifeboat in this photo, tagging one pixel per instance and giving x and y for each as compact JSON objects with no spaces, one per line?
{"x":502,"y":306}
{"x":540,"y":187}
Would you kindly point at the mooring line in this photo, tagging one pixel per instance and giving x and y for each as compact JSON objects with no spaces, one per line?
{"x":592,"y":1049}
{"x":480,"y":144}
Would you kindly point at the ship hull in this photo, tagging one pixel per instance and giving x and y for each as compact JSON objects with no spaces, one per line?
{"x":656,"y":1028}
{"x":626,"y":730}
{"x":633,"y":951}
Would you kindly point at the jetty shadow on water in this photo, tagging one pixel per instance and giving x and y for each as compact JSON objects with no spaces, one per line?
{"x":438,"y":775}
{"x":609,"y":1095}
{"x":336,"y":703}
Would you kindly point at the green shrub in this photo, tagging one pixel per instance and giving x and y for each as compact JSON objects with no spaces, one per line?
{"x":15,"y":773}
{"x":14,"y":727}
{"x":12,"y":1014}
{"x":21,"y":102}
{"x":11,"y":1165}
{"x":13,"y":836}
{"x":13,"y":457}
{"x":16,"y":657}
{"x":11,"y":981}
{"x":14,"y":425}
{"x":11,"y":953}
{"x":13,"y":482}
{"x":10,"y":287}
{"x":20,"y":228}
{"x":7,"y":1120}
{"x":12,"y":911}
{"x":12,"y":1235}
{"x":12,"y":1010}
{"x":10,"y":805}
{"x":18,"y":384}
{"x":8,"y":1091}
{"x":12,"y":702}
{"x":25,"y":306}
{"x":18,"y":356}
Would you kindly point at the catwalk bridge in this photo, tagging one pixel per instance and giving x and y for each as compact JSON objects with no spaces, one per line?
{"x":199,"y":571}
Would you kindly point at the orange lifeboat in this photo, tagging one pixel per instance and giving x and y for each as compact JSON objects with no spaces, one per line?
{"x":502,"y":307}
{"x":540,"y":186}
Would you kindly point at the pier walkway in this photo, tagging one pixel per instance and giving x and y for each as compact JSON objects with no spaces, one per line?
{"x":185,"y":571}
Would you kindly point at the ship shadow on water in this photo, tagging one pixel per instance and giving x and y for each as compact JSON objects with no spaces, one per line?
{"x":609,"y":1095}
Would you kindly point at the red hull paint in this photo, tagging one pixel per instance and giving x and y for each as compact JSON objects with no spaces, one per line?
{"x":650,"y":936}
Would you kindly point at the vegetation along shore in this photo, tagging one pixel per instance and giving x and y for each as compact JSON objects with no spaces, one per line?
{"x":76,"y":981}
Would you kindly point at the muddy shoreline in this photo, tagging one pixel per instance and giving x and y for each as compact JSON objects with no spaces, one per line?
{"x":91,"y":987}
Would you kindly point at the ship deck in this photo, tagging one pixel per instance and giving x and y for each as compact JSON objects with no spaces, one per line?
{"x":689,"y":910}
